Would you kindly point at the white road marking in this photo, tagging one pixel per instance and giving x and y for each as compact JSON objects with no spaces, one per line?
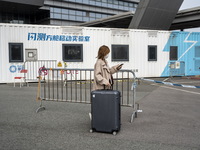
{"x":181,"y":90}
{"x":177,"y":89}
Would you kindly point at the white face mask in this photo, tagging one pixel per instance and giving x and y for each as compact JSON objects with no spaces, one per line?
{"x":106,"y":56}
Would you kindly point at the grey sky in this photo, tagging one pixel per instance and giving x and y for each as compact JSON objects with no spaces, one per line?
{"x":189,"y":4}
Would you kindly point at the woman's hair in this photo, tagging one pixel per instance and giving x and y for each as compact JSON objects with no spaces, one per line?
{"x":103,"y":51}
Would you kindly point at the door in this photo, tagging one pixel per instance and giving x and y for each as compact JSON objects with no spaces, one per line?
{"x":197,"y":60}
{"x":177,"y":68}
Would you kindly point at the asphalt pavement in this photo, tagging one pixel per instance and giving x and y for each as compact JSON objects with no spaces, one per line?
{"x":170,"y":121}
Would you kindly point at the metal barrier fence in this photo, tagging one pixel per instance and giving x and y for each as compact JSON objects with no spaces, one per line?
{"x":33,"y":67}
{"x":75,"y":85}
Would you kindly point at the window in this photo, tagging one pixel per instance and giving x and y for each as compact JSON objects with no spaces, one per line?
{"x":120,"y":53}
{"x":86,"y":1}
{"x":104,"y":16}
{"x":116,"y":2}
{"x":92,"y":14}
{"x":85,"y":19}
{"x":92,"y":2}
{"x":104,"y":4}
{"x":197,"y":51}
{"x":98,"y":15}
{"x":173,"y":53}
{"x":152,"y":53}
{"x":65,"y":11}
{"x":72,"y":17}
{"x":65,"y":17}
{"x":51,"y":15}
{"x":84,"y":13}
{"x":110,"y":1}
{"x":16,"y":52}
{"x":57,"y":16}
{"x":57,"y":10}
{"x":131,"y":5}
{"x":126,"y":4}
{"x":79,"y":1}
{"x":121,"y":3}
{"x":79,"y":13}
{"x":79,"y":18}
{"x":72,"y":12}
{"x":72,"y":52}
{"x":98,"y":3}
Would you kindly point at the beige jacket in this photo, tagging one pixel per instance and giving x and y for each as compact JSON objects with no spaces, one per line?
{"x":102,"y":74}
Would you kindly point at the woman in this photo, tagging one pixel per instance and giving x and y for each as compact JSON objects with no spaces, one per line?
{"x":102,"y":72}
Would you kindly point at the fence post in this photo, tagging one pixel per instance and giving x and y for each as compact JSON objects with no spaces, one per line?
{"x":39,"y":89}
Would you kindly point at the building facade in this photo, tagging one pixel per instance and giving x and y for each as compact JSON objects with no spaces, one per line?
{"x":61,"y":12}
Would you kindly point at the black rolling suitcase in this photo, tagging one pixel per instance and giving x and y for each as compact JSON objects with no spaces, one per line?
{"x":106,"y":111}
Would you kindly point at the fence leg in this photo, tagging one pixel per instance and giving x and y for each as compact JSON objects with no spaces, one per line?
{"x":41,"y":107}
{"x":133,"y":116}
{"x":134,"y":95}
{"x":39,"y":96}
{"x":135,"y":112}
{"x":135,"y":106}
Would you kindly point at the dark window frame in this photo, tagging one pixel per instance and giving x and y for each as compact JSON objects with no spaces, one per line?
{"x":72,"y":60}
{"x":197,"y":51}
{"x":149,"y":53}
{"x":113,"y":46}
{"x":21,"y":53}
{"x":173,"y":53}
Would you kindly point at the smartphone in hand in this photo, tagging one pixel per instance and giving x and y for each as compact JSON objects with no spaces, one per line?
{"x":120,"y":66}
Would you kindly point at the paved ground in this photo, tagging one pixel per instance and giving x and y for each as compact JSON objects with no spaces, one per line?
{"x":170,"y":121}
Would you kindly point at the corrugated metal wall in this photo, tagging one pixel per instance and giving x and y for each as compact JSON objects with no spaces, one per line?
{"x":188,"y":43}
{"x":19,"y":34}
{"x":138,"y":41}
{"x":1,"y":58}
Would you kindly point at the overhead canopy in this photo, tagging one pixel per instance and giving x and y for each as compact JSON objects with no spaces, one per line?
{"x":116,"y":21}
{"x":29,"y":2}
{"x":16,"y":6}
{"x":188,"y":18}
{"x":155,"y":14}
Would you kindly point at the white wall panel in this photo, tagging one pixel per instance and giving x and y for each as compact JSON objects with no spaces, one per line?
{"x":138,"y":41}
{"x":1,"y":57}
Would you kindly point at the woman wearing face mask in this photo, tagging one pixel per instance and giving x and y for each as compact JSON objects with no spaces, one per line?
{"x":102,"y":72}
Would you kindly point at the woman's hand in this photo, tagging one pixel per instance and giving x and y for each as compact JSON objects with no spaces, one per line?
{"x":108,"y":84}
{"x":119,"y":66}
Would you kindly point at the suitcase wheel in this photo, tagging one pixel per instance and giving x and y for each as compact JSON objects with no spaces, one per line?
{"x":114,"y":133}
{"x":91,"y":130}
